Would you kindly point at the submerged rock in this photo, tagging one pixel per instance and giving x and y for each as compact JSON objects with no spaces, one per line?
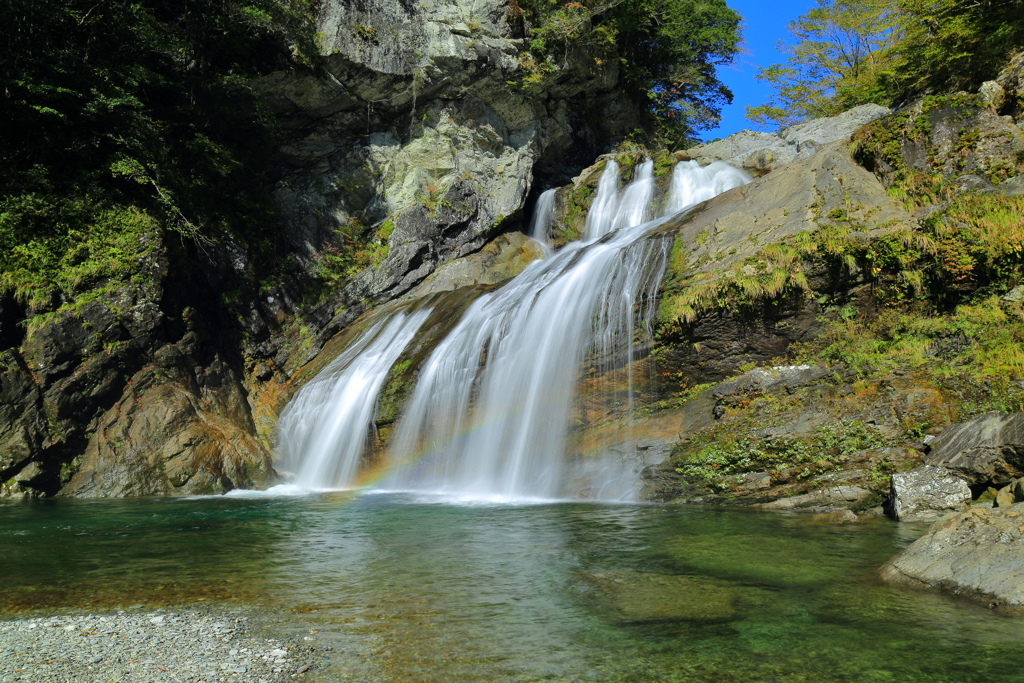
{"x":835,"y":496}
{"x":640,"y":597}
{"x":927,"y":493}
{"x":977,"y":554}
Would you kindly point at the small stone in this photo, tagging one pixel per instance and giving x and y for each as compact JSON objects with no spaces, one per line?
{"x":993,"y":94}
{"x":1015,"y":295}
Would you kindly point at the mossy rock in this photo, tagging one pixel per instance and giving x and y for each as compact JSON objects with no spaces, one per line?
{"x":788,"y":561}
{"x":641,"y":597}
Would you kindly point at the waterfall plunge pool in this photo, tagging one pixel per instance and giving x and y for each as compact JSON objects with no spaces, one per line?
{"x":411,"y":588}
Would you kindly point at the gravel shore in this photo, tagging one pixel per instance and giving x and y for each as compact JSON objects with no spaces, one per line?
{"x":153,"y":647}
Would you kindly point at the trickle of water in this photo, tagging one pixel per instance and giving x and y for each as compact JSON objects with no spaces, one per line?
{"x":322,"y":432}
{"x":543,"y":217}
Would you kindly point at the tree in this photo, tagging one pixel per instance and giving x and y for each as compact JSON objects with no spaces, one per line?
{"x":114,"y":110}
{"x":668,"y":52}
{"x":838,"y":50}
{"x":849,"y":52}
{"x":950,"y":45}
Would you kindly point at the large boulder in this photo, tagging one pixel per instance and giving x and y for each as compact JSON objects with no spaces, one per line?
{"x":978,"y":554}
{"x":927,"y":493}
{"x":167,"y":444}
{"x":988,"y":450}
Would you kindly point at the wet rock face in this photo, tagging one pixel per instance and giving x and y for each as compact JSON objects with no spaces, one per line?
{"x":927,"y":493}
{"x":977,"y":554}
{"x":168,"y":438}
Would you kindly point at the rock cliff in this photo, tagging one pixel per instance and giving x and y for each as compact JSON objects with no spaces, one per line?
{"x":418,"y":141}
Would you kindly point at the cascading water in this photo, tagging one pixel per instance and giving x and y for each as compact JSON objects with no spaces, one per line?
{"x":489,"y":414}
{"x":602,"y":210}
{"x":543,"y":217}
{"x":693,"y":183}
{"x":498,"y":430}
{"x":323,"y":430}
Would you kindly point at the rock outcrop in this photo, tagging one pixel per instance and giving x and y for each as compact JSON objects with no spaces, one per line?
{"x":988,"y":450}
{"x":760,"y":152}
{"x":419,"y":122}
{"x":925,"y":494}
{"x":977,"y":554}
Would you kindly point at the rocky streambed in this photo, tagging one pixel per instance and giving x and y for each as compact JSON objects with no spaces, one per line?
{"x":166,"y":646}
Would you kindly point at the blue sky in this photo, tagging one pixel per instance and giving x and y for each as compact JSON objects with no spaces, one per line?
{"x":764,"y":24}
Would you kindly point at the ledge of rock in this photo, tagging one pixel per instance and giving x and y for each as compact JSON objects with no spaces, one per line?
{"x":501,"y":259}
{"x":977,"y":554}
{"x":761,"y":152}
{"x":986,"y":450}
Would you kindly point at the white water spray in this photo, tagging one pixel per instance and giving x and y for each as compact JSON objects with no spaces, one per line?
{"x":693,"y":183}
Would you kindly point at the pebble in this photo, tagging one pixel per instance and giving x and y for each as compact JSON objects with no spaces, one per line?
{"x":182,"y":647}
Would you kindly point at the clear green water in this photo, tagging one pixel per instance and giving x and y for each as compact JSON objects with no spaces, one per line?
{"x":408,"y":590}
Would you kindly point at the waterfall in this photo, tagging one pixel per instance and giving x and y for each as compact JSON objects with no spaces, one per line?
{"x":602,"y":210}
{"x":498,"y":429}
{"x":610,"y":211}
{"x":490,"y":410}
{"x":543,"y":217}
{"x":323,"y":430}
{"x":693,"y":183}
